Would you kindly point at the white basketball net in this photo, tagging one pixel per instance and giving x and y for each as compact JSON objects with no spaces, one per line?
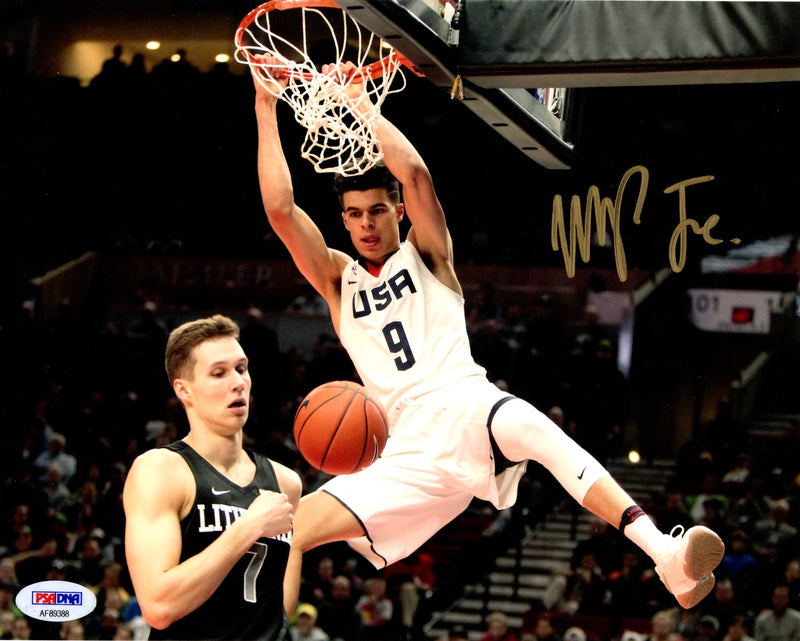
{"x":339,"y":138}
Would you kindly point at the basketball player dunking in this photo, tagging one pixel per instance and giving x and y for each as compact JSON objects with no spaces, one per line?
{"x":208,"y":523}
{"x":399,"y":311}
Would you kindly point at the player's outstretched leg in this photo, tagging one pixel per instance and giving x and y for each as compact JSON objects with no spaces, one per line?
{"x":686,"y":563}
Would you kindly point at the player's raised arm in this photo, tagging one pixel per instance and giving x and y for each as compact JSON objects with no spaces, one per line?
{"x":429,"y":229}
{"x":320,"y":266}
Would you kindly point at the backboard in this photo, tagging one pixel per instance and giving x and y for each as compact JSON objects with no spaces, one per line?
{"x":536,"y":120}
{"x":521,"y":63}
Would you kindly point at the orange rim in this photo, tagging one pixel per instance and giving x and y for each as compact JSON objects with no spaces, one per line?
{"x":372,"y":71}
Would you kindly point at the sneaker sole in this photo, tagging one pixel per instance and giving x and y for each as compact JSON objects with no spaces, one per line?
{"x":704,"y":551}
{"x":700,"y":592}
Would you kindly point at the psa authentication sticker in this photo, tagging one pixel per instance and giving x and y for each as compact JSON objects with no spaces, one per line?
{"x":56,"y":601}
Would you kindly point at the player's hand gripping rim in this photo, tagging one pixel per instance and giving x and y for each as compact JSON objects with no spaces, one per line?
{"x":270,"y":73}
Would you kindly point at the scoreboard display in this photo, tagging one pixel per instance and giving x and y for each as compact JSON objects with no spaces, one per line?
{"x":733,"y":310}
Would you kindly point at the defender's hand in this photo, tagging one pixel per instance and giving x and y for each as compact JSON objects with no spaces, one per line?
{"x":272,"y":512}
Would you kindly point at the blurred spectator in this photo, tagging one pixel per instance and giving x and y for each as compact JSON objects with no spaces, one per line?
{"x":714,"y":518}
{"x":673,"y":512}
{"x":20,"y":518}
{"x":59,"y":497}
{"x":319,"y":587}
{"x":8,"y":572}
{"x":586,"y":589}
{"x":31,"y":561}
{"x":605,"y":543}
{"x":632,"y":588}
{"x":722,"y":604}
{"x":408,"y":582}
{"x":104,"y":624}
{"x":305,"y":626}
{"x":338,"y":616}
{"x":90,"y":561}
{"x":707,"y":628}
{"x":709,"y":490}
{"x":663,"y":626}
{"x":735,"y":480}
{"x":309,"y":303}
{"x":376,"y":610}
{"x":738,"y":630}
{"x":574,"y":634}
{"x":351,"y":571}
{"x":739,"y":565}
{"x":112,"y":73}
{"x":56,"y":454}
{"x":82,"y":512}
{"x":8,"y":593}
{"x":109,"y":592}
{"x":7,"y":622}
{"x":514,"y":327}
{"x":137,"y":71}
{"x":497,"y":628}
{"x":73,"y":631}
{"x":774,"y":539}
{"x":176,"y":72}
{"x":543,"y":629}
{"x":556,"y":414}
{"x":779,"y":623}
{"x":20,"y":629}
{"x":124,"y":632}
{"x":791,"y":575}
{"x":753,"y":507}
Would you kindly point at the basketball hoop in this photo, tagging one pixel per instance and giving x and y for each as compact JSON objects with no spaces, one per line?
{"x":338,"y":138}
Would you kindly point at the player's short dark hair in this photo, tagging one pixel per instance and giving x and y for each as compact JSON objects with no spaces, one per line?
{"x":376,"y":177}
{"x":179,"y":360}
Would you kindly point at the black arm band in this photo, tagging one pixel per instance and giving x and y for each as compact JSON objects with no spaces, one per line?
{"x":629,"y":516}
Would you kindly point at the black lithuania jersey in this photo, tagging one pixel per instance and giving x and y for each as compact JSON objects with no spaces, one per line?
{"x":248,"y":604}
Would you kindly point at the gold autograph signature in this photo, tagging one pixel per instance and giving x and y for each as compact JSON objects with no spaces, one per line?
{"x":604,"y":209}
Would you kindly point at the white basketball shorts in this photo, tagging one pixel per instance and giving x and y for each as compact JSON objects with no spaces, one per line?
{"x":438,"y":458}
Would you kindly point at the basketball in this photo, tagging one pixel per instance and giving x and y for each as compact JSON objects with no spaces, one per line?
{"x":339,"y":428}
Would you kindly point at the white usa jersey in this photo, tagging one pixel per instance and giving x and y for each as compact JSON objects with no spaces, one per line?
{"x":404,"y":330}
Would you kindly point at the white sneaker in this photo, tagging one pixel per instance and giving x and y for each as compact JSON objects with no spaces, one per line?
{"x":686,"y":563}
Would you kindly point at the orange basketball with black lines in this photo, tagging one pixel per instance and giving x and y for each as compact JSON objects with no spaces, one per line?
{"x":339,"y":428}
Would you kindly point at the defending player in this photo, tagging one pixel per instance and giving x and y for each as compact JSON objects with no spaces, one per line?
{"x":399,"y":311}
{"x":208,"y":523}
